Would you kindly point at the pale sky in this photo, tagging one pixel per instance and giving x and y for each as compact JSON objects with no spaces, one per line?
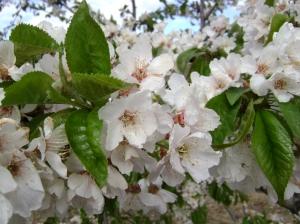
{"x":108,"y":8}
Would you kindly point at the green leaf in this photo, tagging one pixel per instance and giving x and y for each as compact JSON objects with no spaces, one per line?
{"x":199,"y":215}
{"x":96,"y":88}
{"x":227,"y":113}
{"x":31,"y":42}
{"x":246,"y":123}
{"x":86,"y":47}
{"x":83,"y":130}
{"x":184,"y":58}
{"x":291,"y":113}
{"x":277,"y":21}
{"x":270,"y":2}
{"x":194,"y":60}
{"x":233,"y":94}
{"x":33,"y":88}
{"x":272,"y":147}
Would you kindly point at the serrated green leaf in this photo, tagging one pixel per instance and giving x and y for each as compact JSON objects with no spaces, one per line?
{"x":86,"y":47}
{"x":33,"y":88}
{"x":233,"y":94}
{"x":272,"y":147}
{"x":31,"y":42}
{"x":83,"y":130}
{"x":277,"y":21}
{"x":96,"y":88}
{"x":227,"y":113}
{"x":291,"y":112}
{"x":246,"y":123}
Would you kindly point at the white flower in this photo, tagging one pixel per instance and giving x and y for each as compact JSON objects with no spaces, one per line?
{"x":284,"y":86}
{"x":51,"y":145}
{"x":236,"y":163}
{"x":224,"y":42}
{"x":130,"y":199}
{"x":259,"y":85}
{"x":7,"y":60}
{"x":132,"y":118}
{"x":129,"y":158}
{"x":116,"y":183}
{"x":187,"y":101}
{"x":192,"y":153}
{"x":165,"y":170}
{"x":229,"y":67}
{"x":138,"y":66}
{"x":29,"y":194}
{"x":55,"y":202}
{"x":154,"y":197}
{"x":84,"y":193}
{"x":12,"y":138}
{"x":264,"y":63}
{"x":8,"y":70}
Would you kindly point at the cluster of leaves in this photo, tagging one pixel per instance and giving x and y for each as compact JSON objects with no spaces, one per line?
{"x":88,"y":90}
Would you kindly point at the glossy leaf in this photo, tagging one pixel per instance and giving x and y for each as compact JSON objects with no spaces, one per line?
{"x":86,"y":47}
{"x":272,"y":147}
{"x":31,"y":42}
{"x":83,"y":129}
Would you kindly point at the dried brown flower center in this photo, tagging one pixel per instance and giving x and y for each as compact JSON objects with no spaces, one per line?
{"x":133,"y":188}
{"x":153,"y":189}
{"x":280,"y":84}
{"x":14,"y":167}
{"x":262,"y":69}
{"x":128,"y":118}
{"x":4,"y":75}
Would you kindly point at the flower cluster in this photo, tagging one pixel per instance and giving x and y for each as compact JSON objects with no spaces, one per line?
{"x":164,"y":125}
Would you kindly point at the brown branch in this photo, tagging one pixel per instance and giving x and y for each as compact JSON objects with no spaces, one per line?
{"x":133,"y":12}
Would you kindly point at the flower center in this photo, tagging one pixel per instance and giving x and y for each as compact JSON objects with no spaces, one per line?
{"x":140,"y":72}
{"x":280,"y":84}
{"x":179,"y":118}
{"x":14,"y":167}
{"x":220,"y":84}
{"x":133,"y":188}
{"x":262,"y":69}
{"x":4,"y":75}
{"x":153,"y":189}
{"x":182,"y":150}
{"x":128,"y":118}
